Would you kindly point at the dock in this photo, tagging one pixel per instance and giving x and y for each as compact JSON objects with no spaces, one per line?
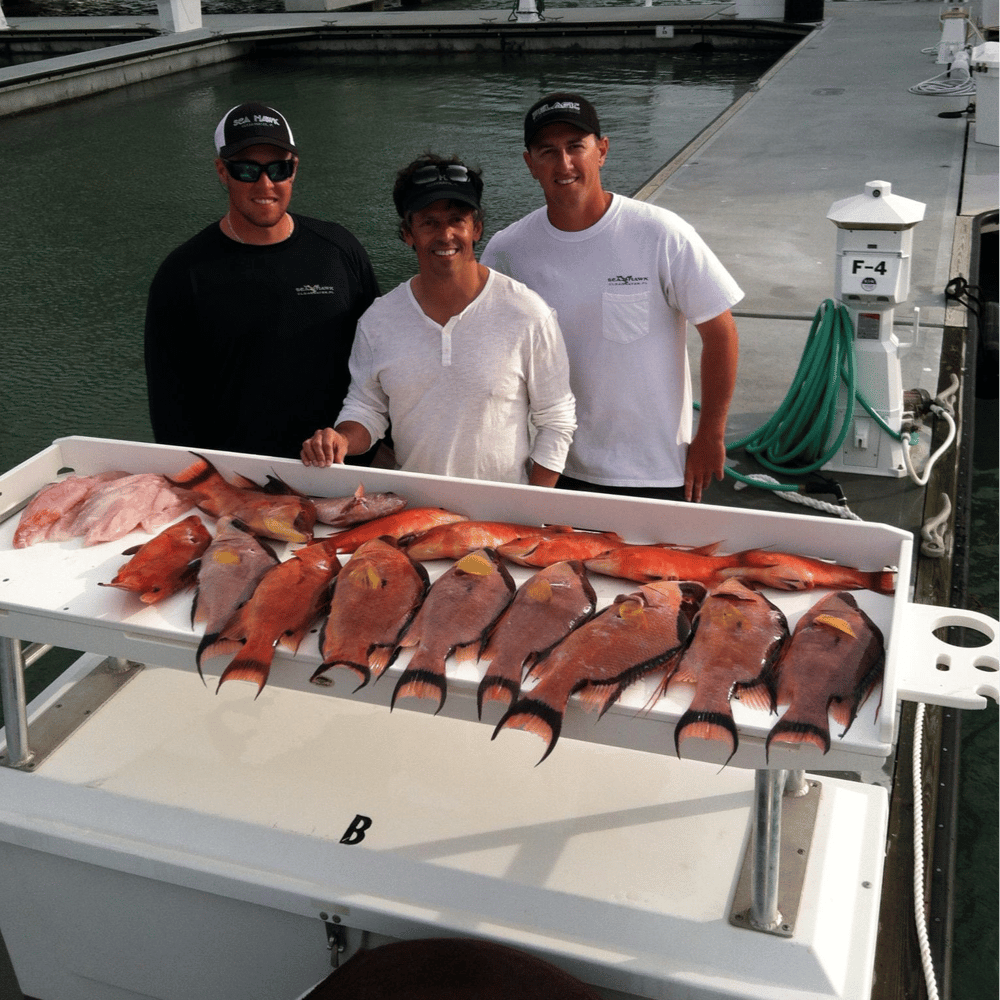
{"x":834,"y":113}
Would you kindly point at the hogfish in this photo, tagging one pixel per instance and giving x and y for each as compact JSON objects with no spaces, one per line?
{"x":738,"y":634}
{"x":55,"y":503}
{"x":452,"y":541}
{"x":165,"y":564}
{"x":230,"y":570}
{"x":285,"y":517}
{"x":832,"y":663}
{"x":459,"y":609}
{"x":288,"y":599}
{"x":546,"y":607}
{"x":787,"y":571}
{"x":375,"y":597}
{"x":638,"y":633}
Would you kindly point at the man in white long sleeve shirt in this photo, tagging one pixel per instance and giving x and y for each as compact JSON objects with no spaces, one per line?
{"x":468,"y":365}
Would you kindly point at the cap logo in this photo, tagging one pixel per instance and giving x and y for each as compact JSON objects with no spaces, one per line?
{"x":556,"y":106}
{"x":256,"y":119}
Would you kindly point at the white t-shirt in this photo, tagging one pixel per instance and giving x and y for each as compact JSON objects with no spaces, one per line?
{"x":474,"y":398}
{"x":623,"y":290}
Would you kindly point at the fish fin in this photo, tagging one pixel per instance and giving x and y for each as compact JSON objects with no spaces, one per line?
{"x":495,"y":688}
{"x":757,"y":694}
{"x":533,"y":716}
{"x":361,"y":669}
{"x":131,"y":550}
{"x":246,"y":669}
{"x":463,"y":654}
{"x":599,"y":696}
{"x":707,"y":725}
{"x":420,"y":683}
{"x":244,"y":483}
{"x":787,"y":730}
{"x":380,"y":658}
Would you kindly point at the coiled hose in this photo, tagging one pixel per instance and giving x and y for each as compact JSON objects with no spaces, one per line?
{"x":794,"y":440}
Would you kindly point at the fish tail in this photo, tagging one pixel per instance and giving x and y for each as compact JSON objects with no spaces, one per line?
{"x":494,"y":687}
{"x":533,"y":716}
{"x":789,"y":730}
{"x":707,"y":725}
{"x":882,"y":581}
{"x":361,"y":669}
{"x":418,"y":681}
{"x":216,"y":644}
{"x":247,"y":668}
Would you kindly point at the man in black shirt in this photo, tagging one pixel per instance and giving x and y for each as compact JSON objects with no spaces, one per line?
{"x":249,"y":325}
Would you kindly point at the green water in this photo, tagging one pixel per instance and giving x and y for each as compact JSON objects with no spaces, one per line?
{"x":99,"y":191}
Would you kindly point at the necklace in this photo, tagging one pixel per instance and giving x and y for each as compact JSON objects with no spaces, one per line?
{"x":229,"y":222}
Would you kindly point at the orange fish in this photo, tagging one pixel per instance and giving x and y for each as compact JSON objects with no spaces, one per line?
{"x":165,"y":564}
{"x":546,"y":607}
{"x":285,"y":517}
{"x":461,"y":606}
{"x":786,"y":571}
{"x":404,"y":522}
{"x":230,"y":570}
{"x":288,"y":599}
{"x":375,"y":597}
{"x":738,"y":635}
{"x":452,"y":541}
{"x":644,"y":563}
{"x":832,"y":663}
{"x":559,"y":546}
{"x":638,"y":633}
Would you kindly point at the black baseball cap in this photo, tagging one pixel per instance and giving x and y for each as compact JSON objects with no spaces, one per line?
{"x":252,"y":124}
{"x":567,"y":109}
{"x":433,"y":181}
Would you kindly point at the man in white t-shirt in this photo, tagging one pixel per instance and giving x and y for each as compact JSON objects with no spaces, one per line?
{"x":625,"y":278}
{"x":468,"y":365}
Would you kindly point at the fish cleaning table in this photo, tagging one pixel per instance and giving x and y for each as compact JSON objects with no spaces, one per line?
{"x":177,"y":843}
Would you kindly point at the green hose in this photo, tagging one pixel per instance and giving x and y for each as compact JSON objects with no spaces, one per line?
{"x":794,"y":441}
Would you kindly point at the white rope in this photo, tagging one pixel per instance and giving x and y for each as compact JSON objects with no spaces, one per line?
{"x":807,"y":501}
{"x":934,"y":544}
{"x":955,"y":81}
{"x":918,"y":856}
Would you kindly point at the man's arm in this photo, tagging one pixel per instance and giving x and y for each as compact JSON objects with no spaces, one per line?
{"x":332,"y":445}
{"x":706,"y":458}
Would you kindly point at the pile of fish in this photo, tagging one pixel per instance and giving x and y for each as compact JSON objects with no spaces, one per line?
{"x":697,"y":616}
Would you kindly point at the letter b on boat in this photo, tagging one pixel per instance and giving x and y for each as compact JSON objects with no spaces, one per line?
{"x":355,"y":833}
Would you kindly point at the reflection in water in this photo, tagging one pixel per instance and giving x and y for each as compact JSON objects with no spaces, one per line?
{"x":133,"y":178}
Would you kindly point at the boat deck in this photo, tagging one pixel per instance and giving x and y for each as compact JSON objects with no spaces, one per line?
{"x":833,"y":115}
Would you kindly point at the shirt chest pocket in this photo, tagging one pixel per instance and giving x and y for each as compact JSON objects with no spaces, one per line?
{"x":625,"y":318}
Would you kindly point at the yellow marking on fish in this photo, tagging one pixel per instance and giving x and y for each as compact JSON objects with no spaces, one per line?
{"x":225,"y":557}
{"x":837,"y":623}
{"x":475,"y":564}
{"x":540,"y":591}
{"x":630,"y":609}
{"x":279,"y":529}
{"x":372,"y":578}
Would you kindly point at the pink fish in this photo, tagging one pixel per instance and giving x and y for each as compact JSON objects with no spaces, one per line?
{"x":458,"y":611}
{"x":144,"y":501}
{"x":56,"y":503}
{"x":545,"y":609}
{"x":831,"y":665}
{"x":229,"y":572}
{"x":738,"y":635}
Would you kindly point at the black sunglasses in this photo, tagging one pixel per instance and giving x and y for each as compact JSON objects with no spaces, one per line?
{"x":445,"y":172}
{"x":249,"y":172}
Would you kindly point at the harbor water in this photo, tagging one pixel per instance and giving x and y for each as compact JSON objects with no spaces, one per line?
{"x":106,"y":187}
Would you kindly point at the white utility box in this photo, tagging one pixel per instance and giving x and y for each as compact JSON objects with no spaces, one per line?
{"x":985,"y":66}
